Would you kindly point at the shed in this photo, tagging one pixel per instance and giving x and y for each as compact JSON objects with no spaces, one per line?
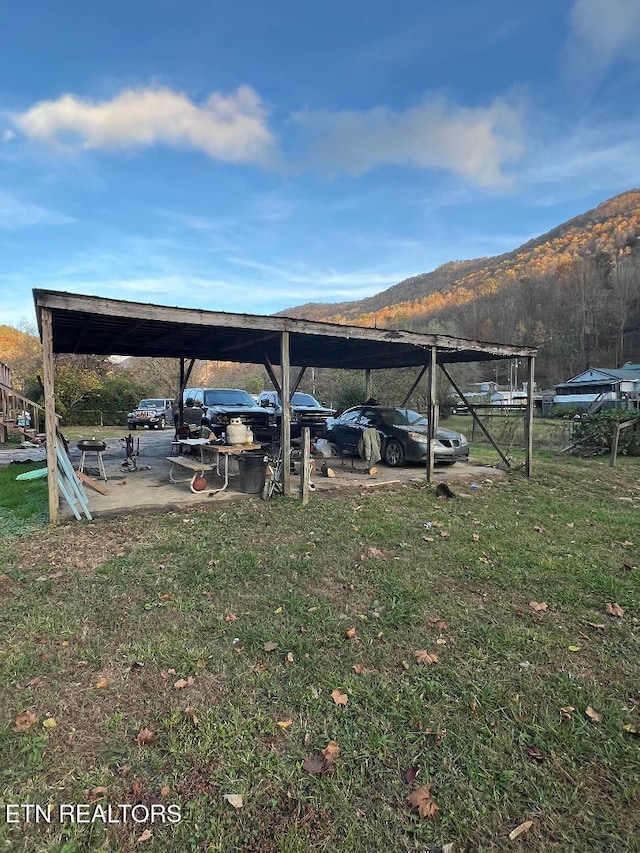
{"x":80,"y":324}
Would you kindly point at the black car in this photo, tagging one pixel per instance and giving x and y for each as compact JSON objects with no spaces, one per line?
{"x":306,"y":411}
{"x":154,"y":413}
{"x":219,"y":405}
{"x":403,"y":434}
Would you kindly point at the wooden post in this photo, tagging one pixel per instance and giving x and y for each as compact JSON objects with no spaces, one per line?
{"x":614,"y":444}
{"x":431,"y":413}
{"x":528,"y":424}
{"x":50,"y":414}
{"x":181,"y":396}
{"x":368,"y":385}
{"x":304,"y":468}
{"x":285,"y":421}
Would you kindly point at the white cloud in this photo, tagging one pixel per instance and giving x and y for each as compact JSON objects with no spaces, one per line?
{"x":602,"y":32}
{"x":15,"y":214}
{"x":475,"y":142}
{"x":232,"y":128}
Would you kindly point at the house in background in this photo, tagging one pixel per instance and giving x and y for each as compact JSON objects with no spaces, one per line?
{"x":600,"y":388}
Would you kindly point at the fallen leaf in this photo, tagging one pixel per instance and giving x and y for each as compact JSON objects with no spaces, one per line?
{"x":278,"y":610}
{"x":567,"y":712}
{"x":428,"y":539}
{"x":350,"y":633}
{"x":181,"y":683}
{"x":630,"y":729}
{"x":475,"y":537}
{"x":593,"y":715}
{"x":101,"y":683}
{"x":411,"y":773}
{"x":230,"y":617}
{"x":339,"y":698}
{"x":289,"y":657}
{"x":421,"y":800}
{"x":599,"y":625}
{"x":614,"y":610}
{"x":171,"y":671}
{"x":23,"y":722}
{"x":534,"y":753}
{"x":314,"y":764}
{"x":445,"y":534}
{"x":145,"y":736}
{"x":259,"y":667}
{"x":98,"y":792}
{"x":425,"y":657}
{"x":358,"y":668}
{"x":539,"y":528}
{"x":439,"y":734}
{"x":539,"y":606}
{"x":191,"y":713}
{"x":574,"y":648}
{"x":520,"y":830}
{"x":234,"y":800}
{"x":270,"y":646}
{"x":375,"y":552}
{"x":165,"y":791}
{"x":145,"y":836}
{"x":49,"y":723}
{"x":440,"y":624}
{"x":441,"y":641}
{"x":331,"y":751}
{"x":284,"y":724}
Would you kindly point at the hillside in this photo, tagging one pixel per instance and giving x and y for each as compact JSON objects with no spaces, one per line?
{"x":574,"y":292}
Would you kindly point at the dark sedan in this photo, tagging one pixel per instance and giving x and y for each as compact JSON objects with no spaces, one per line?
{"x":403,"y":433}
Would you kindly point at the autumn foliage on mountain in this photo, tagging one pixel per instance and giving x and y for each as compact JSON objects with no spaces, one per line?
{"x":573,"y":292}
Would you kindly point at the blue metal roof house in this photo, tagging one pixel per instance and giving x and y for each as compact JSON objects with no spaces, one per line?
{"x":599,"y":388}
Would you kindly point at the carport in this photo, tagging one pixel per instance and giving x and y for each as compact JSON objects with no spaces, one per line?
{"x":91,"y":325}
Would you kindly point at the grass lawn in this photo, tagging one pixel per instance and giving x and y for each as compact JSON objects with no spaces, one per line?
{"x":247,"y":638}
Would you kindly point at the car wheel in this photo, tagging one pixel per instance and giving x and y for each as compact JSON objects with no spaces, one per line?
{"x":132,"y":426}
{"x":161,"y":423}
{"x":393,"y":453}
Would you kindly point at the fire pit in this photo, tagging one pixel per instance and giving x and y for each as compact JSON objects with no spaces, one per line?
{"x":92,"y":445}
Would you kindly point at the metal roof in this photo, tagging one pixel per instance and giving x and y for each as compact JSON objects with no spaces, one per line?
{"x":98,"y":326}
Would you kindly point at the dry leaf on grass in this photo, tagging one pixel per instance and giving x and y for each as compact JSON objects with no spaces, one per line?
{"x":23,"y":722}
{"x":599,"y":625}
{"x":258,"y":668}
{"x":339,"y":698}
{"x":331,"y":751}
{"x":358,"y":668}
{"x":165,"y":791}
{"x":520,"y":830}
{"x":270,"y":646}
{"x":314,"y":764}
{"x":234,"y":800}
{"x":410,"y":774}
{"x":181,"y":683}
{"x":191,"y":713}
{"x":440,"y":624}
{"x":566,"y":713}
{"x":594,"y":716}
{"x":539,"y":606}
{"x":428,"y":539}
{"x":614,"y":610}
{"x":534,"y":753}
{"x":289,"y":658}
{"x":284,"y":724}
{"x":145,"y":836}
{"x":421,"y":800}
{"x":375,"y":552}
{"x":630,"y":729}
{"x":425,"y":657}
{"x":145,"y":737}
{"x":475,"y":537}
{"x":350,"y":633}
{"x":230,"y":617}
{"x":445,"y":534}
{"x":98,"y":792}
{"x":49,"y":723}
{"x":101,"y":683}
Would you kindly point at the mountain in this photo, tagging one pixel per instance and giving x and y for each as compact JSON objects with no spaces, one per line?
{"x":574,"y":292}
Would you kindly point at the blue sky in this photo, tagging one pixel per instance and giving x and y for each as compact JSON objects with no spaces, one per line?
{"x":251,"y":156}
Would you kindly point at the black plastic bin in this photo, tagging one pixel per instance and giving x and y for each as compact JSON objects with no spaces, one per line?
{"x":253,"y":468}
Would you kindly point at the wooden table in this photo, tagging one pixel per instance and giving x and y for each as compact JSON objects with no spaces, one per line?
{"x":209,"y":460}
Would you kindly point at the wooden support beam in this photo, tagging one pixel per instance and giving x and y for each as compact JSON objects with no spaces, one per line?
{"x":475,"y":416}
{"x":294,"y":387}
{"x":431,"y":413}
{"x":305,"y":467}
{"x":272,"y":376}
{"x":528,"y":423}
{"x":50,"y":415}
{"x":285,"y":418}
{"x":414,"y":386}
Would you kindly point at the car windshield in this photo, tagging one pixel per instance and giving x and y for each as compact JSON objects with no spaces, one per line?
{"x":402,"y":417}
{"x":300,"y":399}
{"x":227,"y":397}
{"x":151,"y":404}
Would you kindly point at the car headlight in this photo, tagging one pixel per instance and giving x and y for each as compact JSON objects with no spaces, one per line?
{"x":463,"y":440}
{"x":419,"y":437}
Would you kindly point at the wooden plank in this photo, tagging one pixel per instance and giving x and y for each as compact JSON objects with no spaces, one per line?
{"x":306,"y":465}
{"x":191,"y":464}
{"x":431,"y":414}
{"x":414,"y":386}
{"x":617,"y":429}
{"x":528,"y":423}
{"x":50,"y":415}
{"x":92,"y":483}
